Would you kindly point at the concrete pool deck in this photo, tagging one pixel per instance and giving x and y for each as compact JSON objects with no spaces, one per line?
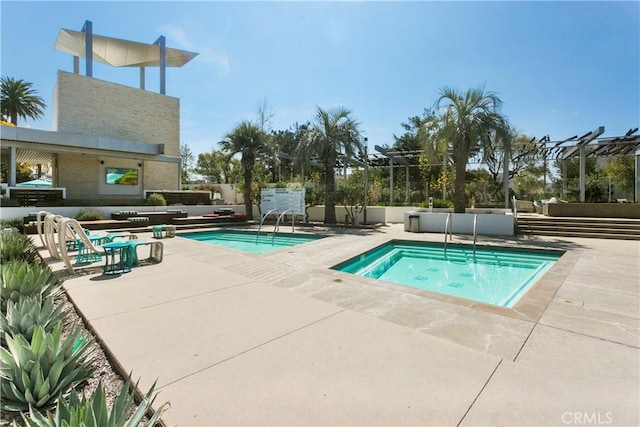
{"x":280,"y":339}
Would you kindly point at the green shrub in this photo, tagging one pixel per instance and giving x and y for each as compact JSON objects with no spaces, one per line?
{"x":93,"y":411}
{"x":16,"y":223}
{"x":19,"y":279}
{"x":39,"y":372}
{"x":23,"y":316}
{"x":17,"y":246}
{"x":89,"y":215}
{"x":438,"y":203}
{"x":156,"y":199}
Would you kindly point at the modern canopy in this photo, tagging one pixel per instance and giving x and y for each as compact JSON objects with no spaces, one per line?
{"x":119,"y":52}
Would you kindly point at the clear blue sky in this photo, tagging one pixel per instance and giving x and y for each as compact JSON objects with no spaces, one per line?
{"x":561,"y":68}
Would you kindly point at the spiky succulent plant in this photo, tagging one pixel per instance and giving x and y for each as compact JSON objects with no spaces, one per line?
{"x":19,"y":278}
{"x":24,"y":315}
{"x":14,"y":245}
{"x":94,"y":412}
{"x":37,"y":373}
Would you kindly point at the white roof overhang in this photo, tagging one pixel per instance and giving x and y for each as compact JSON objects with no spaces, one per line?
{"x":119,"y":52}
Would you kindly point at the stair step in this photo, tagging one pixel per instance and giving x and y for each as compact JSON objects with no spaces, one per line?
{"x":579,"y":224}
{"x":584,"y":234}
{"x":580,"y":229}
{"x":606,"y":228}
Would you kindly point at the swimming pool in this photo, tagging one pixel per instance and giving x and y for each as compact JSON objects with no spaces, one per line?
{"x":494,"y":275}
{"x":246,"y":241}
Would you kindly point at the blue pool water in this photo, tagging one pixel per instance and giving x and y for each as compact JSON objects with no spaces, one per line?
{"x":495,"y":275}
{"x":246,"y":241}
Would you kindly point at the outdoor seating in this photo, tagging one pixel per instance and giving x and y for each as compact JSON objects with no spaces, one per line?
{"x":124,"y":261}
{"x":169,"y":231}
{"x":110,"y":237}
{"x":70,"y":226}
{"x":156,"y":250}
{"x":85,"y":254}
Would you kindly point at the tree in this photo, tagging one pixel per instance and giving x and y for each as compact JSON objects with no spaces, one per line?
{"x":246,"y":139}
{"x":333,"y":133}
{"x":467,"y":122}
{"x":621,"y":169}
{"x":265,"y":115}
{"x":214,"y":166}
{"x":19,"y":99}
{"x":429,"y":159}
{"x":525,"y":160}
{"x":187,"y":162}
{"x":595,"y":191}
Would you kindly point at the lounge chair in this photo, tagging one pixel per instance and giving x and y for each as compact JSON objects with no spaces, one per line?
{"x":70,"y":226}
{"x":40,"y":225}
{"x":51,"y":234}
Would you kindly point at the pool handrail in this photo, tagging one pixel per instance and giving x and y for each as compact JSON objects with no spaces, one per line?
{"x":262,"y":221}
{"x":293,"y":218}
{"x":475,"y":233}
{"x":277,"y":227}
{"x":447,"y":231}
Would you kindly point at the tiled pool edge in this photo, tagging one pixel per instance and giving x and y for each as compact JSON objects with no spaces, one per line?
{"x":530,"y":307}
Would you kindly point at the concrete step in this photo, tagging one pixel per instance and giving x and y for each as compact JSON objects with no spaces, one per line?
{"x":625,"y":229}
{"x":584,"y":234}
{"x":579,"y":228}
{"x":599,"y":224}
{"x":604,"y":228}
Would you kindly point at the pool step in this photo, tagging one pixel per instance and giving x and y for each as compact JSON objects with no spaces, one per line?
{"x":248,"y":237}
{"x":384,"y":258}
{"x":482,"y":253}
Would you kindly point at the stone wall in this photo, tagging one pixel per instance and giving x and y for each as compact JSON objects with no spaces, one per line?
{"x":594,"y":210}
{"x":96,"y":107}
{"x":79,"y":174}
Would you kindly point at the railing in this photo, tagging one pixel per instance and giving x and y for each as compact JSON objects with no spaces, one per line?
{"x":475,"y":234}
{"x":515,"y":209}
{"x":277,"y":227}
{"x":262,"y":221}
{"x":446,"y":232}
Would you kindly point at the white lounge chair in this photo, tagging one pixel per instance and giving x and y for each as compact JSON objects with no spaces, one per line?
{"x":70,"y":226}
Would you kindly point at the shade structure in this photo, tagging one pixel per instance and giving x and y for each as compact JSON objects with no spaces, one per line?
{"x":118,"y":52}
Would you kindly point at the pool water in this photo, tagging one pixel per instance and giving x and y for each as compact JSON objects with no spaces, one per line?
{"x":246,"y":241}
{"x":494,"y":275}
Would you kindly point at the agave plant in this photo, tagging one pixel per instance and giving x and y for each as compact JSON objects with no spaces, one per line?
{"x":15,"y":223}
{"x":14,"y":246}
{"x":39,"y":373}
{"x":19,"y":278}
{"x":23,"y":316}
{"x":93,"y":411}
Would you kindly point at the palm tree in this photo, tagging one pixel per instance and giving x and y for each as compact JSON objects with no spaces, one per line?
{"x":466,"y":123}
{"x":333,"y":133}
{"x":18,"y":99}
{"x":248,"y":140}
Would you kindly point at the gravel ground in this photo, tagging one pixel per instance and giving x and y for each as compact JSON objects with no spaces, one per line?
{"x":103,"y":371}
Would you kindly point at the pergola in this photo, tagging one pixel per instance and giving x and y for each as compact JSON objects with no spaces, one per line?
{"x":592,"y":145}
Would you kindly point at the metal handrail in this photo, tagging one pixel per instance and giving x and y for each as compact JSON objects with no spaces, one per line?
{"x":446,"y":231}
{"x":514,"y":208}
{"x":262,"y":221}
{"x":277,"y":227}
{"x":475,"y":234}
